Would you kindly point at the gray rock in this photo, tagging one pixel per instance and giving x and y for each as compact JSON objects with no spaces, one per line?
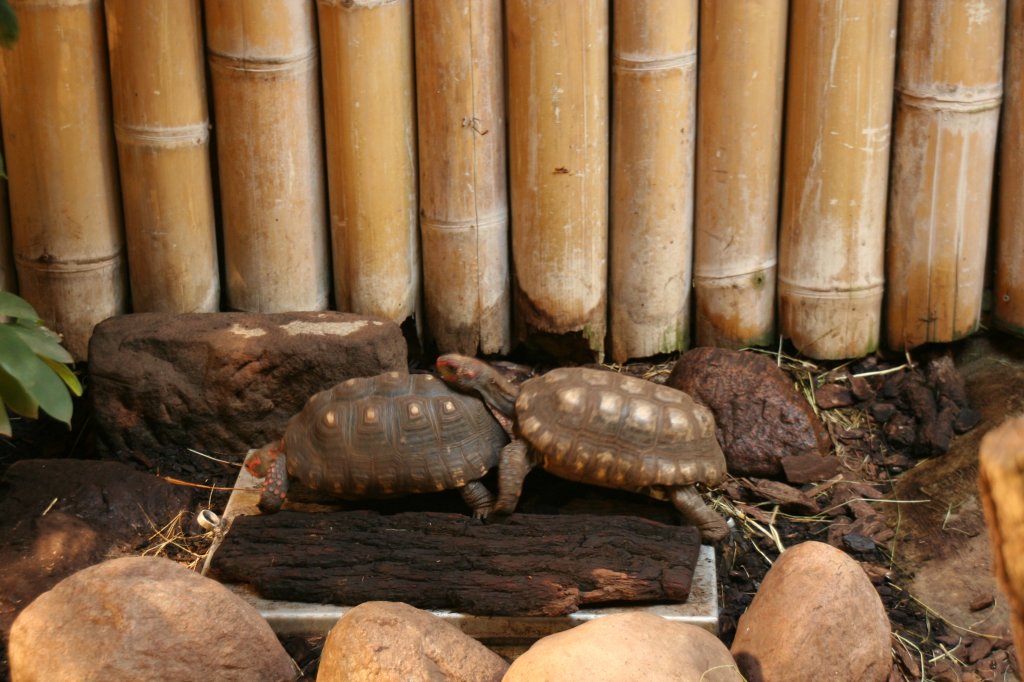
{"x":222,"y":383}
{"x":760,"y":418}
{"x":625,"y":647}
{"x":383,"y":641}
{"x":144,"y":618}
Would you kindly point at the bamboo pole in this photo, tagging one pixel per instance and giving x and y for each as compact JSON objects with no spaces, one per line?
{"x":1008,"y":313}
{"x":370,"y":115}
{"x":1001,"y":482}
{"x":463,"y":194}
{"x":59,"y":149}
{"x":263,"y":66}
{"x":949,"y":88}
{"x":162,"y":132}
{"x":654,"y":89}
{"x":558,"y":166}
{"x":742,"y":72}
{"x":8,"y":278}
{"x":838,"y":109}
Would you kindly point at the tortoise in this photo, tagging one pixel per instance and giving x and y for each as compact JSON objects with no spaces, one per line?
{"x":384,"y":436}
{"x":602,"y":428}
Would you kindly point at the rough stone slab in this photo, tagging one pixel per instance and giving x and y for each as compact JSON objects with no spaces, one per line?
{"x":530,"y":565}
{"x":222,"y":383}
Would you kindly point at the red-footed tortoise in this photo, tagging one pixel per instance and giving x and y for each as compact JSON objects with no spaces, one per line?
{"x":601,"y":428}
{"x":384,"y":436}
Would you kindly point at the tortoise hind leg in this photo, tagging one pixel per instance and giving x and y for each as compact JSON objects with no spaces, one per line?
{"x":513,"y":465}
{"x":479,"y":499}
{"x":711,"y":525}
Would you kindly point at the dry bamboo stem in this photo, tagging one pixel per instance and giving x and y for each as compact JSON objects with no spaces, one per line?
{"x":162,"y":131}
{"x":370,"y":115}
{"x":654,"y":92}
{"x":263,"y":65}
{"x":1009,"y":245}
{"x":742,"y":72}
{"x":558,"y":165}
{"x":949,"y":88}
{"x":1001,"y":482}
{"x":59,"y":148}
{"x":463,"y":195}
{"x":839,"y":104}
{"x":8,"y":279}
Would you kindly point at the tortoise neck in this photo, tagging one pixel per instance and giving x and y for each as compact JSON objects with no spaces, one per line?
{"x":499,"y":393}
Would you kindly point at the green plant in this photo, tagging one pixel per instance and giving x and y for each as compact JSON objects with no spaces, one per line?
{"x":34,"y":372}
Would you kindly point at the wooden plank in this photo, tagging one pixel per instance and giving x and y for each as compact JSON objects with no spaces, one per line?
{"x":531,"y":565}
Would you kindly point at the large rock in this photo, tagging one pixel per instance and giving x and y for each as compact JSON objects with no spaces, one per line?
{"x":760,"y":418}
{"x":815,"y":617}
{"x":625,"y":647}
{"x":380,"y":641}
{"x":144,"y":618}
{"x":222,"y":383}
{"x":58,"y":516}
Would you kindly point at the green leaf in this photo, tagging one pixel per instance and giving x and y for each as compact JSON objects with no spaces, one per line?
{"x":13,"y":305}
{"x":66,"y":375}
{"x":8,"y":24}
{"x":5,"y":421}
{"x":34,"y":375}
{"x":41,"y":341}
{"x":16,"y":397}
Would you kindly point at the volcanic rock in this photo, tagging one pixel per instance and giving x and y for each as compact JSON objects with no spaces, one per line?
{"x":760,"y":418}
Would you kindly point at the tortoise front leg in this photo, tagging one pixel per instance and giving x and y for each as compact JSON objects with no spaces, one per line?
{"x":513,"y":465}
{"x":688,"y":501}
{"x":275,"y":485}
{"x":479,"y":499}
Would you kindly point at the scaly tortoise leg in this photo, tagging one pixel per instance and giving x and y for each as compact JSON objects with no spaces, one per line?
{"x":275,"y":485}
{"x":688,"y":501}
{"x":479,"y":499}
{"x":513,"y":465}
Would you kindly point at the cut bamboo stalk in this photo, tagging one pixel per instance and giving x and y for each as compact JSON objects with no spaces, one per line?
{"x":59,"y":149}
{"x":1008,"y":313}
{"x":832,"y":236}
{"x":558,"y":166}
{"x":263,"y":65}
{"x":1001,"y":460}
{"x":370,"y":115}
{"x":949,"y":88}
{"x":8,"y":278}
{"x":742,"y":73}
{"x":463,"y":194}
{"x":162,"y":132}
{"x":654,"y":92}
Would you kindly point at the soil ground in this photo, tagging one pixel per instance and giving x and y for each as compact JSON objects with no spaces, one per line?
{"x":921,"y":539}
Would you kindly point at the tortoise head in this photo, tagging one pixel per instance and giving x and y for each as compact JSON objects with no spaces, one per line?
{"x":472,"y":375}
{"x":258,"y":462}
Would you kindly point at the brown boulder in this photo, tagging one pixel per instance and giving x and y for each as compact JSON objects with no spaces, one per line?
{"x":625,"y":647}
{"x":760,"y":418}
{"x":815,"y":617}
{"x":380,"y":641}
{"x":222,"y":383}
{"x":143,"y":618}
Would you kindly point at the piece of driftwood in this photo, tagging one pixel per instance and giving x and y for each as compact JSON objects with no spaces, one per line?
{"x":530,"y":565}
{"x":1001,"y":482}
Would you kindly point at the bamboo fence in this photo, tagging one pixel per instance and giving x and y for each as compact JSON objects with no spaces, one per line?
{"x":59,"y":149}
{"x":832,"y":235}
{"x":742,"y":73}
{"x":266,"y":95}
{"x":463,"y":182}
{"x":654,"y":98}
{"x":370,"y":116}
{"x":163,"y":132}
{"x":1009,"y":244}
{"x":949,"y":88}
{"x":558,"y":164}
{"x":8,"y":278}
{"x":465,"y":169}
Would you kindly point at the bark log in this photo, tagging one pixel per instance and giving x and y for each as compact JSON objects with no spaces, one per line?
{"x":532,"y":565}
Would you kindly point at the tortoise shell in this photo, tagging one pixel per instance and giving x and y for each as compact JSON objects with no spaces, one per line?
{"x":391,"y":434}
{"x":605,"y":428}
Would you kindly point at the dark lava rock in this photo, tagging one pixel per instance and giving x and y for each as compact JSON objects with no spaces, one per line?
{"x":222,"y":383}
{"x":760,"y":418}
{"x":858,"y":543}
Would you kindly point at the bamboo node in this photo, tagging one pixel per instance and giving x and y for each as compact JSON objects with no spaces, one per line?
{"x":194,"y":135}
